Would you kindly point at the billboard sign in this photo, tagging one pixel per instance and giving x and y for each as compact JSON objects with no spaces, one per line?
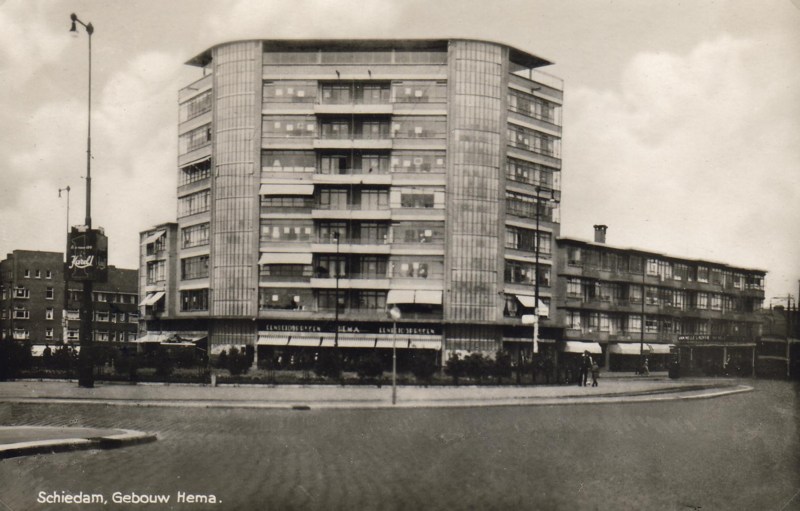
{"x":87,"y":255}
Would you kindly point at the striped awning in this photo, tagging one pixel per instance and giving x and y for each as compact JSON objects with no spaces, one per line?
{"x":152,"y":298}
{"x":626,"y":348}
{"x":580,"y":347}
{"x":285,"y":258}
{"x":286,"y":189}
{"x":154,"y":237}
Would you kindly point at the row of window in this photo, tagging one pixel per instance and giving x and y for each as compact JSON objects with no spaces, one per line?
{"x":104,"y":296}
{"x":355,"y":92}
{"x":360,"y":267}
{"x":527,"y":240}
{"x":358,"y":199}
{"x":361,"y":128}
{"x":24,"y":292}
{"x":614,"y":324}
{"x":533,"y":106}
{"x":352,"y":162}
{"x":352,"y":232}
{"x":37,"y":274}
{"x":356,"y":57}
{"x":534,"y":141}
{"x":622,"y":293}
{"x":666,"y":270}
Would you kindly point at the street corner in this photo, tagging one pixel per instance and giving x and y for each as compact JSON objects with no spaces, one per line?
{"x":16,"y":441}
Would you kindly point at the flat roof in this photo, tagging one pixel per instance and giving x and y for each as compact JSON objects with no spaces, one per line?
{"x":516,"y":55}
{"x":650,"y":252}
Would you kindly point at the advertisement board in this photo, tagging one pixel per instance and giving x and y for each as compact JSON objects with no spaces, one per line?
{"x":87,"y":255}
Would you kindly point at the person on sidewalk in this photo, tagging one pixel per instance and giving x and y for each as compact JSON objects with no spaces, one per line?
{"x":645,"y":367}
{"x":595,"y":373}
{"x":586,"y":366}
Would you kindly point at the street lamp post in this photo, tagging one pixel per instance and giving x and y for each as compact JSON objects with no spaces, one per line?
{"x":86,"y":371}
{"x":536,"y":311}
{"x":641,"y":326}
{"x":394,"y":312}
{"x":64,"y":322}
{"x":336,"y":312}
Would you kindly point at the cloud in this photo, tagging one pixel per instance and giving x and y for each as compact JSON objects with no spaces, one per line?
{"x":696,"y":155}
{"x":27,"y":42}
{"x":256,"y":19}
{"x":134,"y":149}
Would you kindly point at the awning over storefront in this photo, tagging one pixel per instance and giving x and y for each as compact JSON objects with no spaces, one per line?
{"x":659,"y":349}
{"x":285,"y":258}
{"x":626,"y":348}
{"x":428,"y":297}
{"x":349,"y":340}
{"x":580,"y":347}
{"x":154,"y":237}
{"x":528,"y":340}
{"x":286,"y":189}
{"x":151,"y":337}
{"x":151,"y":299}
{"x":396,"y":296}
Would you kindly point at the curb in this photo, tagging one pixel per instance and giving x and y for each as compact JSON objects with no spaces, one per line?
{"x":669,"y":394}
{"x":127,"y":437}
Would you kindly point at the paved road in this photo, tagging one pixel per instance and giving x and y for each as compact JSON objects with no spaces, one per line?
{"x":736,"y":452}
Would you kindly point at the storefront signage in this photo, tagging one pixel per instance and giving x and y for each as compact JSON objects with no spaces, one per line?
{"x":87,"y":255}
{"x":355,"y":328}
{"x":700,"y":339}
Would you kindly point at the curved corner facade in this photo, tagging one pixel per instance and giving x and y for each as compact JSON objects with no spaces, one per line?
{"x":321,"y":181}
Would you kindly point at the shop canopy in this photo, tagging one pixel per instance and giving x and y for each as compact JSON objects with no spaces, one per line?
{"x":154,"y":237}
{"x":285,"y":258}
{"x":349,"y":340}
{"x":659,"y":349}
{"x":405,"y":296}
{"x":580,"y":347}
{"x":152,"y":299}
{"x":627,"y":348}
{"x":287,"y":189}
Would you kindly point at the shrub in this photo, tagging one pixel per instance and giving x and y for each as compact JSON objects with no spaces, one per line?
{"x":222,"y":360}
{"x":327,"y":364}
{"x":502,"y":366}
{"x":370,"y":367}
{"x":476,"y":366}
{"x":14,"y":357}
{"x":238,"y":363}
{"x":164,"y":364}
{"x":454,"y":367}
{"x":423,"y":366}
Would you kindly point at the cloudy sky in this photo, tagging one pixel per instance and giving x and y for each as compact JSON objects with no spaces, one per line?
{"x":681,"y":119}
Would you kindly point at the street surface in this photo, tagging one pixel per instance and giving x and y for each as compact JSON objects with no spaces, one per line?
{"x":740,"y":451}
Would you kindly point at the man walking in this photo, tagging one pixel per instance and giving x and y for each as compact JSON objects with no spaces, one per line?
{"x":586,"y":366}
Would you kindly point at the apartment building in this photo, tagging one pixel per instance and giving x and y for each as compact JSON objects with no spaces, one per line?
{"x":33,"y":298}
{"x":321,"y":182}
{"x":623,"y":303}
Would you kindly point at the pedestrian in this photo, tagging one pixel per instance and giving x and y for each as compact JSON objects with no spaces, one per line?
{"x":586,"y":366}
{"x":595,"y":373}
{"x":645,"y":367}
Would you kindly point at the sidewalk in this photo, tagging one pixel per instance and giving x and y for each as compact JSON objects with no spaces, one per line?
{"x":28,"y":440}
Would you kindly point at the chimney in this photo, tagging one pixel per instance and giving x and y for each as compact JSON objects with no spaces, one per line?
{"x":600,"y":233}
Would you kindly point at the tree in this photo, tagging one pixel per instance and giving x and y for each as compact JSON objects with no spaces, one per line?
{"x":476,"y":366}
{"x":14,"y":357}
{"x":238,"y":362}
{"x":423,"y":366}
{"x":370,"y":367}
{"x":454,"y":367}
{"x":327,"y":364}
{"x":222,"y":360}
{"x":502,"y":366}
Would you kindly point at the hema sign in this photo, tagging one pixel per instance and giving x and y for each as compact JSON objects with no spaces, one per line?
{"x":87,"y":256}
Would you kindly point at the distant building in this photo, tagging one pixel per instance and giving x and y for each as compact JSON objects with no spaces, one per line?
{"x":619,"y":302}
{"x":32,"y":302}
{"x":778,"y":352}
{"x":321,"y":181}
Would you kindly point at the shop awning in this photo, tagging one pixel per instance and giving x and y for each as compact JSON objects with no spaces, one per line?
{"x":625,"y":348}
{"x":151,"y":337}
{"x":659,"y":349}
{"x":396,"y":296}
{"x":286,"y":189}
{"x":270,"y":339}
{"x":154,"y":237}
{"x":428,"y":297}
{"x":285,"y":258}
{"x":151,"y":299}
{"x":580,"y":347}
